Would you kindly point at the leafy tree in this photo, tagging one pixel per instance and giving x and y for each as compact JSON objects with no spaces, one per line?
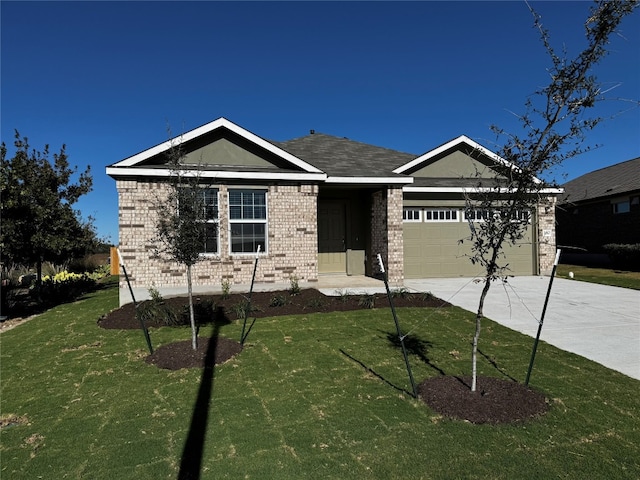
{"x":180,"y":224}
{"x":39,"y":222}
{"x":554,"y":125}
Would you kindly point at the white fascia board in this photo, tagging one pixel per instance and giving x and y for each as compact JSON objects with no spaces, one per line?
{"x":457,"y":141}
{"x":410,"y":189}
{"x":371,"y":180}
{"x":209,"y":127}
{"x":164,"y":172}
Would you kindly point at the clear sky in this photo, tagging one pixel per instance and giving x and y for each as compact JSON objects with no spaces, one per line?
{"x":108,"y":78}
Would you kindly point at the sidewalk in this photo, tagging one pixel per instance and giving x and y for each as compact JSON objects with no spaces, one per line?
{"x":598,"y":322}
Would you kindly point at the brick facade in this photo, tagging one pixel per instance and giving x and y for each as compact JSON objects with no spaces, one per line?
{"x":292,"y":241}
{"x":546,"y":234}
{"x":387,"y":234}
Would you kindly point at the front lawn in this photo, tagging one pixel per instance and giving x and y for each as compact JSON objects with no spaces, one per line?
{"x":604,"y":276}
{"x":311,"y":396}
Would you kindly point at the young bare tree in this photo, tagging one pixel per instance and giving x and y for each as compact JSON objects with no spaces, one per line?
{"x":181,"y":222}
{"x":554,"y":127}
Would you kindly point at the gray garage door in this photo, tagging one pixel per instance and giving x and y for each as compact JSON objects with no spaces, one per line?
{"x":432,"y":248}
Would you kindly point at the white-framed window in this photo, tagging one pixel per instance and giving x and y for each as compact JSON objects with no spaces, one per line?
{"x":411,"y":214}
{"x":480,"y":215}
{"x":247,"y":220}
{"x":441,"y":215}
{"x":211,"y":215}
{"x":622,"y":207}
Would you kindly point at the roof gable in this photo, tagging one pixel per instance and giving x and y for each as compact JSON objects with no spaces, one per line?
{"x":205,"y":145}
{"x":465,"y":156}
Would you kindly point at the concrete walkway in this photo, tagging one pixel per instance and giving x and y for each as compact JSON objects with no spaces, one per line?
{"x":598,"y":322}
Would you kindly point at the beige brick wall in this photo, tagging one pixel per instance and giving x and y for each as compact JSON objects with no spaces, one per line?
{"x":386,"y":235}
{"x":546,"y":234}
{"x":291,"y":243}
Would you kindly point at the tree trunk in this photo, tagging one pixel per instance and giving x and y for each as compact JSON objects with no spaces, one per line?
{"x":476,"y":336}
{"x":192,"y":317}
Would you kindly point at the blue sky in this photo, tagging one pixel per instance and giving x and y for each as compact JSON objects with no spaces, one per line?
{"x":108,"y":78}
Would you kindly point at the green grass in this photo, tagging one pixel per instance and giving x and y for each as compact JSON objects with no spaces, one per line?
{"x":293,"y":405}
{"x":605,"y":276}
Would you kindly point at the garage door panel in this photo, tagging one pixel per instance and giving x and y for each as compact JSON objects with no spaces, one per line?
{"x":432,"y":249}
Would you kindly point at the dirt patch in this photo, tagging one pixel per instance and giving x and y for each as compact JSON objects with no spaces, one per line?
{"x":495,"y":400}
{"x":177,"y":355}
{"x":269,"y":304}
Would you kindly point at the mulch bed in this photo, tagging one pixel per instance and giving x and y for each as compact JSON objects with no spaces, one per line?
{"x":307,"y":301}
{"x":177,"y":355}
{"x":496,"y":400}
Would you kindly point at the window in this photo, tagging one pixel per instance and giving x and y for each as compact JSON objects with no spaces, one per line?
{"x":248,"y":220}
{"x":441,"y":215}
{"x":480,"y":215}
{"x":210,"y":204}
{"x":622,"y":207}
{"x":411,"y":214}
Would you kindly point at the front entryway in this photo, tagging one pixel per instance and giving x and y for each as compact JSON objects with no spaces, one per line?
{"x":332,"y":250}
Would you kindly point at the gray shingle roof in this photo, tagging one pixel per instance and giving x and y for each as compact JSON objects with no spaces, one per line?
{"x":341,"y":157}
{"x":610,"y":181}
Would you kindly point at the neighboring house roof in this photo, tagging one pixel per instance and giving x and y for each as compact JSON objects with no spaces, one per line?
{"x":619,"y":179}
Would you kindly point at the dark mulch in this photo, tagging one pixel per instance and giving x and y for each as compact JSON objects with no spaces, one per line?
{"x":263,"y":304}
{"x":494,"y":401}
{"x":177,"y":355}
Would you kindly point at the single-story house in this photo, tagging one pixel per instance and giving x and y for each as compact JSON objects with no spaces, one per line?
{"x":315,"y":205}
{"x":601,"y":207}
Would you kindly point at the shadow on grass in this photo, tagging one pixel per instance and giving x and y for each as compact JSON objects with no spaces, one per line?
{"x":495,"y":365}
{"x":192,"y":453}
{"x":415,"y":346}
{"x":376,"y":374}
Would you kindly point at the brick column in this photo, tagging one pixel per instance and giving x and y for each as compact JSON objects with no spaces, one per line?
{"x":546,"y":234}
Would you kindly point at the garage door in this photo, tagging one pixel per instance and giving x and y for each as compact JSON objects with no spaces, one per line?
{"x":432,"y":247}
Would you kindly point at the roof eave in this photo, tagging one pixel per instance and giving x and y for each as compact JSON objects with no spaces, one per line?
{"x":118,"y":172}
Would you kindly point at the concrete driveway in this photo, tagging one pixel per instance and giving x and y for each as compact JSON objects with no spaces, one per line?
{"x":598,"y":322}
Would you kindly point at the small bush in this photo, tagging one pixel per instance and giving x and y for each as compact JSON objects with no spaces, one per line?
{"x":226,"y":288}
{"x":242,"y":309}
{"x":343,"y":295}
{"x":278,"y":301}
{"x":367,"y":301}
{"x":156,"y":310}
{"x":624,"y":256}
{"x":315,"y":303}
{"x":426,"y":296}
{"x":294,"y":287}
{"x":62,"y":287}
{"x":400,"y":293}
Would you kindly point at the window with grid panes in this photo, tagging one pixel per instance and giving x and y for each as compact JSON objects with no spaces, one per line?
{"x":248,"y":220}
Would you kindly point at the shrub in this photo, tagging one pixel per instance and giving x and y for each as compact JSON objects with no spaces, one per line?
{"x":294,"y":287}
{"x":226,"y":288}
{"x":63,"y":286}
{"x":400,"y":293}
{"x":367,"y":301}
{"x":315,"y":303}
{"x":426,"y":296}
{"x":278,"y":301}
{"x":624,"y":256}
{"x":156,"y":310}
{"x":343,"y":295}
{"x":242,"y":309}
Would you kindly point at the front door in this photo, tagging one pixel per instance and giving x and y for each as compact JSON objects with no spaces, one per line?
{"x":332,"y":256}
